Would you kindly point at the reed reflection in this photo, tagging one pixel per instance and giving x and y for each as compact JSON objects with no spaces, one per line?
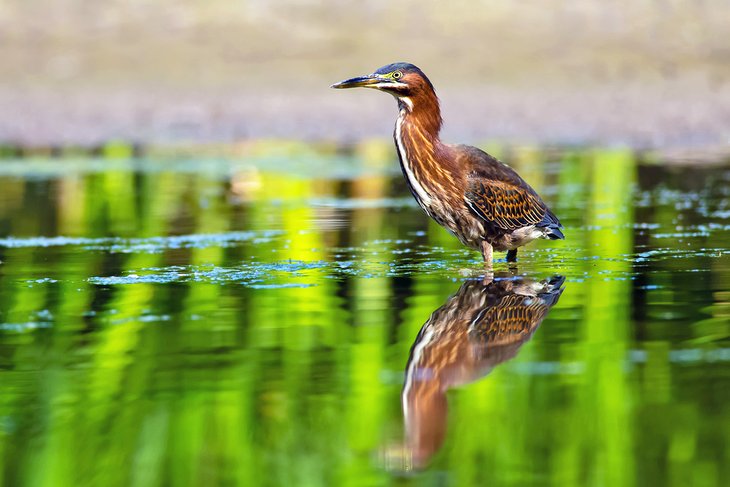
{"x":484,"y":324}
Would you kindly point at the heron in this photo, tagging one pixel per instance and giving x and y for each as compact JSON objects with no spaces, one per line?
{"x":479,"y":199}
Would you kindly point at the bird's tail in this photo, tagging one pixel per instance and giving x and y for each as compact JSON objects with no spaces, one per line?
{"x":551,"y":227}
{"x":553,"y":289}
{"x":554,"y":233}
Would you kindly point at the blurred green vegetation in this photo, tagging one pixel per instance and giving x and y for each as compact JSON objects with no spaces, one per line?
{"x":246,"y":320}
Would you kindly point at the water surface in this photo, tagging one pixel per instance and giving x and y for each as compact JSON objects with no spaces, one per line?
{"x":249,"y":321}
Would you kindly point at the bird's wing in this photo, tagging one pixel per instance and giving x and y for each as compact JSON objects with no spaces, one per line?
{"x":506,"y":205}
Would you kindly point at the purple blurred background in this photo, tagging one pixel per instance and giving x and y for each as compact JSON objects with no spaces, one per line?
{"x":646,"y":73}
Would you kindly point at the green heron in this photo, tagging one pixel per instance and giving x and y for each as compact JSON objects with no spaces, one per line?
{"x":478,"y":328}
{"x":478,"y":198}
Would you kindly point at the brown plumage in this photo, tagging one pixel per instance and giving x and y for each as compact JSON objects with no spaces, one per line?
{"x":479,"y":199}
{"x":478,"y":328}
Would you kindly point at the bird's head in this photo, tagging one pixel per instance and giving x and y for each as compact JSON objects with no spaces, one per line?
{"x":402,"y":80}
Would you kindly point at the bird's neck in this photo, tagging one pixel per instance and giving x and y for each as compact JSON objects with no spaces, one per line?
{"x":424,"y":158}
{"x":421,"y":116}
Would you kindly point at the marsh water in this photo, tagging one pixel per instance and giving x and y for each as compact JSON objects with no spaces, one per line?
{"x":256,"y":319}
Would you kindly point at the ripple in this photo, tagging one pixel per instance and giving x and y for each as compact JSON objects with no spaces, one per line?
{"x":373,"y":261}
{"x":254,"y":275}
{"x":364,"y":203}
{"x":144,"y":245}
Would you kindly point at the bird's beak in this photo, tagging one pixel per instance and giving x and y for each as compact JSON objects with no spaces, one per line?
{"x":369,"y":81}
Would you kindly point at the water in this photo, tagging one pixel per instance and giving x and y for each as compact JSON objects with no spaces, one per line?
{"x":249,"y":320}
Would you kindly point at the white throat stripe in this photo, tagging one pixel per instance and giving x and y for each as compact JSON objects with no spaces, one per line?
{"x":424,"y":197}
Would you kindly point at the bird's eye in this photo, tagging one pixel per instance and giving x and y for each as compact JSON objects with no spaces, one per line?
{"x":397,"y":75}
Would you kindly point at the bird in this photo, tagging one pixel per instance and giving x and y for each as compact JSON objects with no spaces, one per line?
{"x":479,"y":199}
{"x":481,"y":326}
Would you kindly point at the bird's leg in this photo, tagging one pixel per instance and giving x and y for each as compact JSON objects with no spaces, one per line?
{"x":488,"y":277}
{"x":512,"y":255}
{"x":486,"y":248}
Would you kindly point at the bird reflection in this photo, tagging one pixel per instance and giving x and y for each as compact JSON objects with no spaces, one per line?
{"x":478,"y":328}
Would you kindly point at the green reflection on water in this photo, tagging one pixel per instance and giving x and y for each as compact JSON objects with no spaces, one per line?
{"x":248,"y":320}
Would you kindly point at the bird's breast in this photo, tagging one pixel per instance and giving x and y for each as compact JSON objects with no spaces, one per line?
{"x":409,"y":163}
{"x":433,"y":183}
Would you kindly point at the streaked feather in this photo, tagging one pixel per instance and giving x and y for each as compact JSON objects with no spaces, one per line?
{"x":505,"y":205}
